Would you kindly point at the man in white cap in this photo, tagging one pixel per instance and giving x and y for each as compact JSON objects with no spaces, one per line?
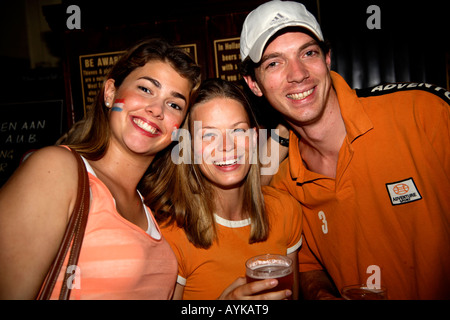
{"x":371,"y":168}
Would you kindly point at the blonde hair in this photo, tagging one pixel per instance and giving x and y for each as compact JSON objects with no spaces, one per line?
{"x":181,"y":194}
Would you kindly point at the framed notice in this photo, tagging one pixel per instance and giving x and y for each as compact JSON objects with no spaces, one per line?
{"x":93,"y":69}
{"x":227,"y":58}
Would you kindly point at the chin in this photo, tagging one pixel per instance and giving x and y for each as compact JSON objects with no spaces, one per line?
{"x":229,"y":186}
{"x":229,"y":182}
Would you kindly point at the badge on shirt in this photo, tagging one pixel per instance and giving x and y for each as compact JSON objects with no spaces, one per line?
{"x":402,"y":192}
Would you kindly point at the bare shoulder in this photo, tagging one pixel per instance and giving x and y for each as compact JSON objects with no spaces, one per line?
{"x":52,"y":155}
{"x":53,"y":160}
{"x":47,"y":172}
{"x":35,"y":205}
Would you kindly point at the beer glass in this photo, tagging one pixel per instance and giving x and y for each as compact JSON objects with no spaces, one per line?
{"x":271,"y":266}
{"x":362,"y":292}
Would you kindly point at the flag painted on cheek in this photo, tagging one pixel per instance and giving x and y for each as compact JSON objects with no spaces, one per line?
{"x":175,"y":133}
{"x":118,"y":105}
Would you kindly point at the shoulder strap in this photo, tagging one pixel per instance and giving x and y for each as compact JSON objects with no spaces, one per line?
{"x":74,"y":230}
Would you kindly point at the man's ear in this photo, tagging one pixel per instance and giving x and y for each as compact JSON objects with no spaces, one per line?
{"x":253,"y":85}
{"x":328,"y":60}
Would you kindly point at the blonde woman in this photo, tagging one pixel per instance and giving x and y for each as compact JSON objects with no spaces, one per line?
{"x":213,"y":211}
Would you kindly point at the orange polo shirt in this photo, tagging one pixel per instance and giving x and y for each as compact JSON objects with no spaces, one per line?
{"x":206,"y":273}
{"x":385,"y":219}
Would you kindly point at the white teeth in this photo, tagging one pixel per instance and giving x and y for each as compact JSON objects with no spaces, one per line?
{"x":226,"y":163}
{"x":145,"y":126}
{"x":301,"y":95}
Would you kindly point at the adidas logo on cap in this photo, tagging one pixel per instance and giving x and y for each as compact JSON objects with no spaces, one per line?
{"x":278,"y":19}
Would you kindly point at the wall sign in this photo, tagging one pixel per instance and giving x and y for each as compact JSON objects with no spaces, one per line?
{"x":25,"y":127}
{"x":93,"y":70}
{"x":227,"y":58}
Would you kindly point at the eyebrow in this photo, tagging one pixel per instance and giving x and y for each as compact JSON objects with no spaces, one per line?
{"x":277,"y":54}
{"x":232,"y":126}
{"x":157,"y":84}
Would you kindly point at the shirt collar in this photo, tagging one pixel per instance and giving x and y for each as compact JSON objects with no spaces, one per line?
{"x":355,"y":117}
{"x":356,"y":121}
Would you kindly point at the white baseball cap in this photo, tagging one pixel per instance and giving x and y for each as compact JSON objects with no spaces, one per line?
{"x":263,"y":22}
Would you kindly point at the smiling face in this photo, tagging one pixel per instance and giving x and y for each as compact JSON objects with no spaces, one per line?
{"x":294,"y":77}
{"x":224,"y":137}
{"x":148,"y":105}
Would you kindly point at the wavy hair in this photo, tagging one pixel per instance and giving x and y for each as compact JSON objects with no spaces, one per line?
{"x":90,"y":136}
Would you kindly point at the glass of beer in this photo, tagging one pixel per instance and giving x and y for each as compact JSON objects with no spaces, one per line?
{"x":271,"y":266}
{"x":362,"y":292}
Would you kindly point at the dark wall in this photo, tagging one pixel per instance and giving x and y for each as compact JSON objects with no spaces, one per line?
{"x":411,"y":45}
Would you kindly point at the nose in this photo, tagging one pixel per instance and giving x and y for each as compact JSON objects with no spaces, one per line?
{"x":297,"y":71}
{"x":156,"y":109}
{"x":227,"y":142}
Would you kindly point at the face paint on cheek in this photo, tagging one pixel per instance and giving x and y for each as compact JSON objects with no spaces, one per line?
{"x":175,"y":133}
{"x":118,"y":105}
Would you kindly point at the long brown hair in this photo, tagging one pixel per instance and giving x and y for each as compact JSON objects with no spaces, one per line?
{"x":179,"y":193}
{"x":90,"y":136}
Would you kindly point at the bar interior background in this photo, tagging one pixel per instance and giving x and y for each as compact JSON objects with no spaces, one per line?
{"x":50,"y":74}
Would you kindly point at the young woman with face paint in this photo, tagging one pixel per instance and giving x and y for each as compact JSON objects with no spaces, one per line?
{"x":213,"y":211}
{"x":124,"y":256}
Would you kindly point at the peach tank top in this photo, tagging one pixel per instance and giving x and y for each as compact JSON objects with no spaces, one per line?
{"x":119,"y":260}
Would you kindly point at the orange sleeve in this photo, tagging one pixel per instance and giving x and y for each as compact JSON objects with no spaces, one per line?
{"x":174,"y":236}
{"x":285,"y":208}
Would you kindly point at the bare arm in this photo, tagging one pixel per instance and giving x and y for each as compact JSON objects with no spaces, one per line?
{"x":35,"y":205}
{"x":295,"y":292}
{"x":316,"y":285}
{"x":178,"y":293}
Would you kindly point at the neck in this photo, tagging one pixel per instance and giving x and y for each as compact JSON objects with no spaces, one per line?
{"x":327,"y":132}
{"x":229,"y":203}
{"x":121,"y":169}
{"x":321,"y":140}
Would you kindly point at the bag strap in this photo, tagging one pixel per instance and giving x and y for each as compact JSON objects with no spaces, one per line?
{"x":74,"y":230}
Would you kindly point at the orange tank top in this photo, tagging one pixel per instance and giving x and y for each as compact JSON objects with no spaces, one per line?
{"x":119,"y":260}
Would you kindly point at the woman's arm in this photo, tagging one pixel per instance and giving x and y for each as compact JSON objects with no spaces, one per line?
{"x":296,"y":286}
{"x":178,"y":293}
{"x":35,"y":205}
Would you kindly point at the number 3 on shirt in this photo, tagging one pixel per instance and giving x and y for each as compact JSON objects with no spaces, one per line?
{"x":322,"y":217}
